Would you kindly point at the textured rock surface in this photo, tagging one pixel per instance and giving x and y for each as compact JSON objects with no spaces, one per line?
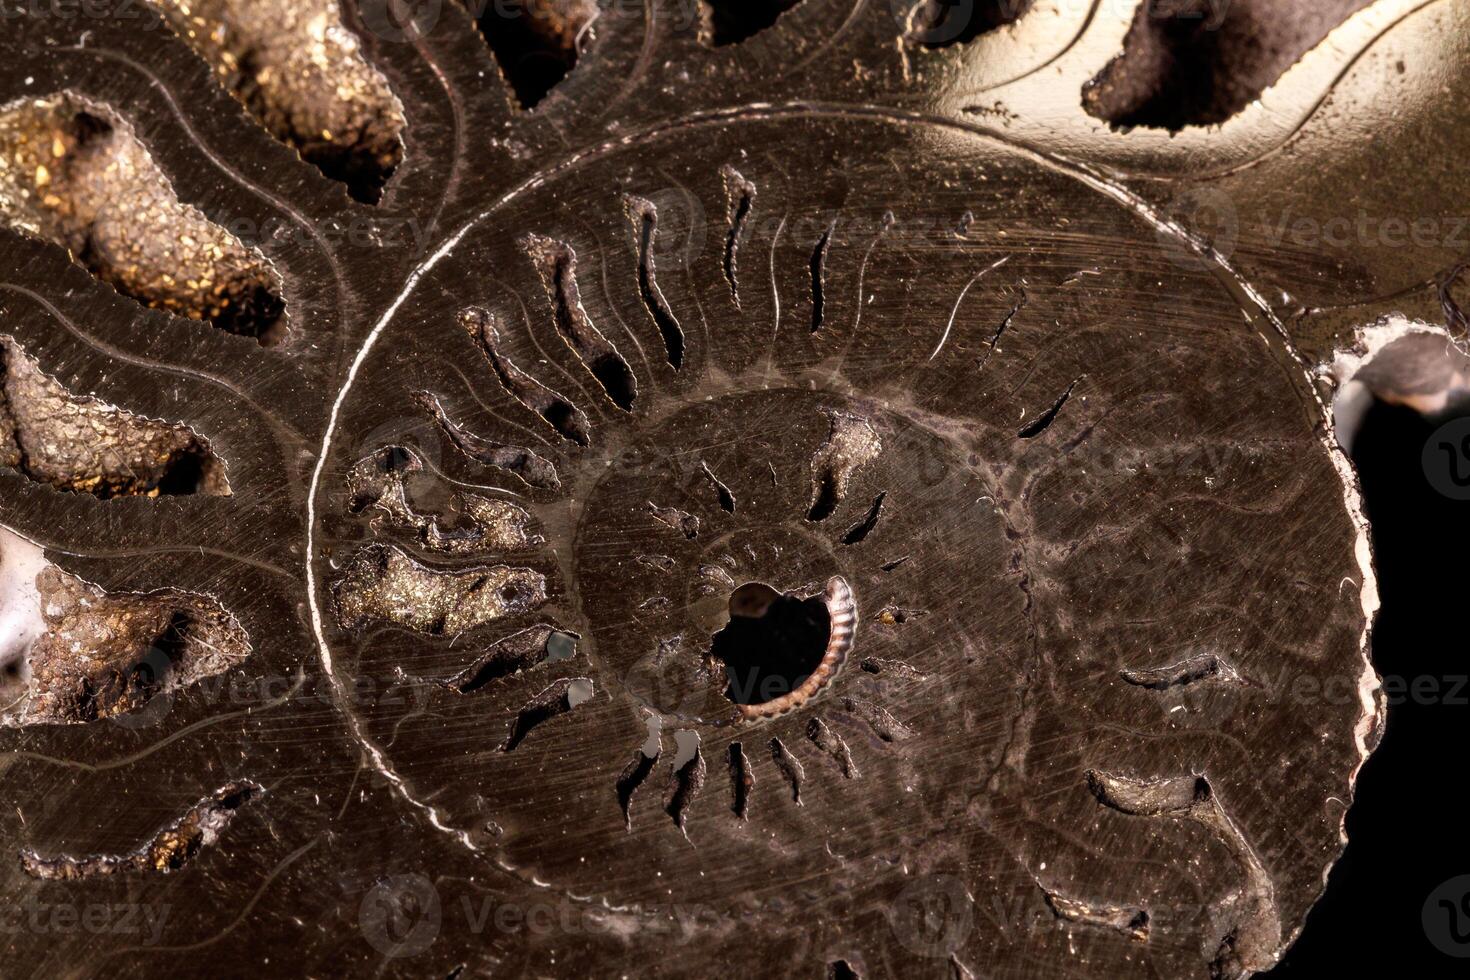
{"x":84,"y":445}
{"x":828,"y":300}
{"x":301,"y":73}
{"x":74,"y":174}
{"x":106,"y":655}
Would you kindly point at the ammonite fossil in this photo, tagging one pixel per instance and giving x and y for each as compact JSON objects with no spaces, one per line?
{"x":839,"y":487}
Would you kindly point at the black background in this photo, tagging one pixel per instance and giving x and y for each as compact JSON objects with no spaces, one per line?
{"x":1407,"y":829}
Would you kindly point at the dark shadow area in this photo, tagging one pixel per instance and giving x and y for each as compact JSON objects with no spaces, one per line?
{"x":1197,"y":64}
{"x":940,"y":23}
{"x":1407,"y":828}
{"x":733,"y":21}
{"x":188,"y":472}
{"x":535,"y":42}
{"x":365,"y":171}
{"x":772,"y":643}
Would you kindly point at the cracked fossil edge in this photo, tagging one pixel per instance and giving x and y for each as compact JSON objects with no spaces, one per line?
{"x":82,"y":444}
{"x":169,"y":850}
{"x":74,"y":653}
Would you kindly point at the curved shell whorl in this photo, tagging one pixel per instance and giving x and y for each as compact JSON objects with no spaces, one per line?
{"x":843,"y":616}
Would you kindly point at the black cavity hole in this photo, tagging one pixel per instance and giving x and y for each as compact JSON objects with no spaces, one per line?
{"x":733,"y":21}
{"x":535,"y":42}
{"x":772,"y":643}
{"x":941,"y":23}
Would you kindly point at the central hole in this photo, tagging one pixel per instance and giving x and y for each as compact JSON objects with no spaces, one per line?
{"x":772,"y":643}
